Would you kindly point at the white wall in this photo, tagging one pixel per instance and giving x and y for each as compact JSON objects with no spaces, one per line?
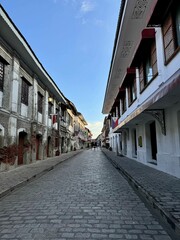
{"x":164,"y":73}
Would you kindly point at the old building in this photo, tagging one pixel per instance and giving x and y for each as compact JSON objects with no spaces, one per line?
{"x":81,"y":132}
{"x":89,"y":137}
{"x":142,"y":94}
{"x":35,"y":120}
{"x":78,"y":136}
{"x":105,"y":132}
{"x":29,"y":102}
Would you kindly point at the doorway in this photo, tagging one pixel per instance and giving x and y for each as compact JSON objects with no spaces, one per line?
{"x":124,"y":143}
{"x":38,"y":146}
{"x":134,"y":143}
{"x":49,"y":147}
{"x":62,"y":144}
{"x":153,"y":140}
{"x":22,"y":138}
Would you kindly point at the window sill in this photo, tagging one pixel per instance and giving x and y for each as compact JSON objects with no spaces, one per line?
{"x":147,"y":84}
{"x":132,"y":102}
{"x":124,"y":112}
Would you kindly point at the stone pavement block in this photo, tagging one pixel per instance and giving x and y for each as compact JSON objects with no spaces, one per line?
{"x":68,"y":235}
{"x":89,"y":184}
{"x":99,"y":236}
{"x":21,"y":175}
{"x":161,"y":190}
{"x":116,"y":236}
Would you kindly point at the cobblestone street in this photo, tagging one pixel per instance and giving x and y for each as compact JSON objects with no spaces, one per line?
{"x":84,"y":197}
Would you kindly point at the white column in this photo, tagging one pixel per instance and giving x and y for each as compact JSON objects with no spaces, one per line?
{"x":46,"y":117}
{"x":34,"y":100}
{"x":15,"y":85}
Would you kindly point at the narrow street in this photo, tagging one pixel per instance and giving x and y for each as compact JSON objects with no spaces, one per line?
{"x":84,"y":197}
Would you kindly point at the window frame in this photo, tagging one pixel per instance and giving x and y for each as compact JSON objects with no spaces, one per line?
{"x":123,"y":102}
{"x":25,"y":91}
{"x":50,"y":109}
{"x":151,"y":59}
{"x":40,"y":103}
{"x":2,"y":69}
{"x":132,"y":90}
{"x":171,"y":43}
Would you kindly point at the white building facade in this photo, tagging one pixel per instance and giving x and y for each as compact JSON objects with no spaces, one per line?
{"x":144,"y":80}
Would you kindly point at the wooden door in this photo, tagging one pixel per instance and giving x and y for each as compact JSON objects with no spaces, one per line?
{"x":48,"y":146}
{"x":37,"y":147}
{"x":153,"y":140}
{"x":22,"y":136}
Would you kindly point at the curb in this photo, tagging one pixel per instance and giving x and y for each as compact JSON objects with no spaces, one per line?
{"x":33,"y":177}
{"x":166,"y":218}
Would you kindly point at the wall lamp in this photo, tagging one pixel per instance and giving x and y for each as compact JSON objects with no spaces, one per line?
{"x":50,"y":99}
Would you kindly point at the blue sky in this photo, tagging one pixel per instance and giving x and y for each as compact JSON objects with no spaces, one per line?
{"x":73,"y":39}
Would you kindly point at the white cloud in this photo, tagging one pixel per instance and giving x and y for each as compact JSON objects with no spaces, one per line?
{"x":81,"y":8}
{"x":87,"y":6}
{"x":95,"y":128}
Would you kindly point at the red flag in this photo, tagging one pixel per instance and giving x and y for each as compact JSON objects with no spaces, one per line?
{"x":114,"y":122}
{"x":54,"y":119}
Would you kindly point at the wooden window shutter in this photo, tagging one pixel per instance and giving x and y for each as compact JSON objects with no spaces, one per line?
{"x":124,"y":102}
{"x":169,"y":41}
{"x":154,"y":59}
{"x":141,"y":77}
{"x":40,"y":102}
{"x":24,"y":91}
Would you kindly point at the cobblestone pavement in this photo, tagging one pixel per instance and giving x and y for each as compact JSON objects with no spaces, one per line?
{"x":82,"y":198}
{"x":9,"y":180}
{"x":162,"y":190}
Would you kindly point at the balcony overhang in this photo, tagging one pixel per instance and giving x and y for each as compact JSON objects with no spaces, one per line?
{"x":134,"y":18}
{"x":166,"y":95}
